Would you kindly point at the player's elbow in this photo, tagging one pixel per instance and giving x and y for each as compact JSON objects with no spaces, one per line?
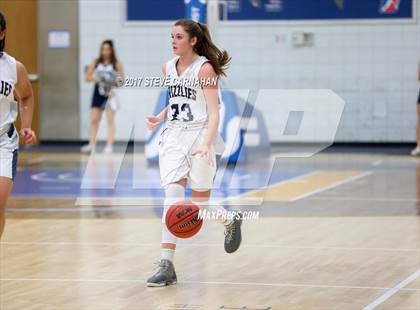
{"x":27,"y":100}
{"x":213,"y":116}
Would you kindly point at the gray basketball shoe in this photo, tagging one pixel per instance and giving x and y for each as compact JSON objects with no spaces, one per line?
{"x":233,"y":235}
{"x":164,"y":276}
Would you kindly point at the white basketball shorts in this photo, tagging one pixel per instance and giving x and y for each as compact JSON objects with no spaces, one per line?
{"x":9,"y":144}
{"x":176,"y":162}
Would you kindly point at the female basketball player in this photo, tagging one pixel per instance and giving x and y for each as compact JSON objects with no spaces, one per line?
{"x":105,"y":71}
{"x":416,"y":151}
{"x":187,"y":147}
{"x":13,"y":79}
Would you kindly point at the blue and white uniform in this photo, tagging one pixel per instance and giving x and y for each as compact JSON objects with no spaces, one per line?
{"x":9,"y":139}
{"x":107,"y":79}
{"x":186,"y":128}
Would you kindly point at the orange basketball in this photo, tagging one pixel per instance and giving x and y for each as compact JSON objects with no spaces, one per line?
{"x":182,"y":219}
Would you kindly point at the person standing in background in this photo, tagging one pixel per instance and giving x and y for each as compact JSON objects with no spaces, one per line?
{"x":416,"y":151}
{"x":106,"y":71}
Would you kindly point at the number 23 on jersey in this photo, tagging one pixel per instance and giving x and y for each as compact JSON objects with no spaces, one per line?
{"x":181,"y":112}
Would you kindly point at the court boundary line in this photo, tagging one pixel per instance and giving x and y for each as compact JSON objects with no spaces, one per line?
{"x":204,"y":282}
{"x":131,"y":244}
{"x":392,"y":291}
{"x":344,"y":198}
{"x":146,"y":205}
{"x":268,"y":186}
{"x":328,"y":187}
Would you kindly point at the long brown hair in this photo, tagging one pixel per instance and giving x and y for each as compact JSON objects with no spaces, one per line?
{"x":205,"y":47}
{"x":101,"y":59}
{"x":2,"y":28}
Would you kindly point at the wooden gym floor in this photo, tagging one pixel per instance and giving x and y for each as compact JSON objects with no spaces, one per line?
{"x":335,"y":231}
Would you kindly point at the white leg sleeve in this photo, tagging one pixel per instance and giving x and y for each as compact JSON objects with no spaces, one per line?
{"x":167,"y":236}
{"x":173,"y":193}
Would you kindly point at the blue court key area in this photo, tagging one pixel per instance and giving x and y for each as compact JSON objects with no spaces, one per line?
{"x":66,"y":183}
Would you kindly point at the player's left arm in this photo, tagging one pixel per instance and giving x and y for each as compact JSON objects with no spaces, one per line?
{"x":211,"y":96}
{"x":26,"y":103}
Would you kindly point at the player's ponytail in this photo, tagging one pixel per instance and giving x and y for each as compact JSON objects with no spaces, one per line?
{"x":2,"y":28}
{"x":205,"y":47}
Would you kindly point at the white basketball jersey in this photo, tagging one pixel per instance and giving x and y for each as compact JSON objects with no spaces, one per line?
{"x":107,"y":77}
{"x":8,"y":80}
{"x":104,"y":68}
{"x":186,"y":102}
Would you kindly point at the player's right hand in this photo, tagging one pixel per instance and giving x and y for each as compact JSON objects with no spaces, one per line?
{"x":152,"y":122}
{"x":28,"y":135}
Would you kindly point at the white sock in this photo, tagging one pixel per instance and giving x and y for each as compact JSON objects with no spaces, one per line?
{"x":167,"y":254}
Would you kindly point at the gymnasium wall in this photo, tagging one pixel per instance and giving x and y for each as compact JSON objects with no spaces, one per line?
{"x":58,"y":71}
{"x":372,"y":67}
